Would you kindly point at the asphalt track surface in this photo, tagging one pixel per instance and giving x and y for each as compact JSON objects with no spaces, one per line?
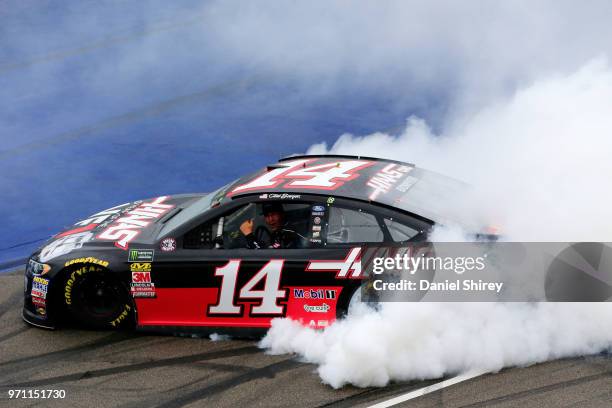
{"x":118,"y":369}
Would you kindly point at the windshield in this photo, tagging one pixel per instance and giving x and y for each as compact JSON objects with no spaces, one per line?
{"x":196,"y":208}
{"x":432,"y":195}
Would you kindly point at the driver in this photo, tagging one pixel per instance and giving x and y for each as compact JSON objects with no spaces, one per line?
{"x":275,"y":235}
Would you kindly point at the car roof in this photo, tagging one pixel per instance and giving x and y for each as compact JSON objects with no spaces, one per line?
{"x":381,"y":181}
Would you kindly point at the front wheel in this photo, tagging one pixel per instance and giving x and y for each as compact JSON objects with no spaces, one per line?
{"x":96,"y":298}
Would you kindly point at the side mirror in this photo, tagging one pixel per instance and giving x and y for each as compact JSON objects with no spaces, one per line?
{"x":218,"y":241}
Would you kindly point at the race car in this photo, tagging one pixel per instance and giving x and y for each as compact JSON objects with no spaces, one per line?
{"x":283,"y":242}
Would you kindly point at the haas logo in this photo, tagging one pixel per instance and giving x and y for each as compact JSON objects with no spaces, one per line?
{"x":126,"y":228}
{"x":348,"y":268}
{"x":141,"y":277}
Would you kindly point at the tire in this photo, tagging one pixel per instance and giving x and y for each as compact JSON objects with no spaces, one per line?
{"x":96,"y":298}
{"x":354,"y":304}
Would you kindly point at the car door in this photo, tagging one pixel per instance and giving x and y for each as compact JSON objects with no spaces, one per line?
{"x":372,"y":231}
{"x":206,"y":282}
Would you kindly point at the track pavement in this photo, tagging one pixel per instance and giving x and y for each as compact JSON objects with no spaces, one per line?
{"x":128,"y":370}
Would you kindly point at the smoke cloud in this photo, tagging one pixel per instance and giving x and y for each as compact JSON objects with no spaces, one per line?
{"x":429,"y":340}
{"x":433,"y":53}
{"x":513,"y":98}
{"x":538,"y":161}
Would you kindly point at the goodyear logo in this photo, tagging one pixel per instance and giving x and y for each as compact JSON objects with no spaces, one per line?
{"x":89,"y":260}
{"x":70,"y":282}
{"x":122,"y":316}
{"x":140,"y":267}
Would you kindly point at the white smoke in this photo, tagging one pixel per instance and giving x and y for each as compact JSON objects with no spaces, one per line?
{"x":430,"y":340}
{"x":540,"y":164}
{"x":462,"y":53}
{"x":539,"y":159}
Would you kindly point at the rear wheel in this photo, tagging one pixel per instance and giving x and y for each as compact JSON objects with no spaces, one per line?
{"x":96,"y":298}
{"x":357,"y":305}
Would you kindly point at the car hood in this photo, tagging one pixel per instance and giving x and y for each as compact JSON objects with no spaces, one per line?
{"x":119,"y":226}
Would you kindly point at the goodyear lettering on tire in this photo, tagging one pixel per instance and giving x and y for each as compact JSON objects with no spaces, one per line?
{"x":70,"y":282}
{"x":122,"y":316}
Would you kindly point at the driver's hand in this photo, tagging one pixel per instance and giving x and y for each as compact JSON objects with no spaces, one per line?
{"x":247,"y":227}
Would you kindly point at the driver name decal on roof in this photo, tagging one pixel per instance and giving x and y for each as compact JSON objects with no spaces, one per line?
{"x":126,"y":228}
{"x":295,"y":174}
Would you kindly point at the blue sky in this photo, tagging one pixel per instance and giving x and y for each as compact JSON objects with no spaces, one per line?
{"x":104,"y":104}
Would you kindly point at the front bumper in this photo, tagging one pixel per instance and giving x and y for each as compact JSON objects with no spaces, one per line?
{"x":35,"y":320}
{"x":36,"y":298}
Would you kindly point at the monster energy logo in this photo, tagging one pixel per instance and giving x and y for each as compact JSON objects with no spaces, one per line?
{"x":139,"y":255}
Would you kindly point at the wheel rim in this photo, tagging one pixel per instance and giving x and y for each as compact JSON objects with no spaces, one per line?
{"x":100,"y":297}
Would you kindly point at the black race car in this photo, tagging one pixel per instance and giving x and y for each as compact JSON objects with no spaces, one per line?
{"x":283,"y":242}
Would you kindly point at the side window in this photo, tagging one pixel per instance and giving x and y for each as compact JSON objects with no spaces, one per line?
{"x":282,"y":225}
{"x":296,"y":217}
{"x":286,"y":225}
{"x":352,"y":226}
{"x":203,"y":236}
{"x":232,"y":237}
{"x":400,"y":232}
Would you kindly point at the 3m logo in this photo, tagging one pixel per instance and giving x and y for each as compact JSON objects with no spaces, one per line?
{"x":348,"y":268}
{"x":295,"y":174}
{"x":141,"y":277}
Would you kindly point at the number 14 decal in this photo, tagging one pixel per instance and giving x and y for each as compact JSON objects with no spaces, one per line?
{"x":271,"y":292}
